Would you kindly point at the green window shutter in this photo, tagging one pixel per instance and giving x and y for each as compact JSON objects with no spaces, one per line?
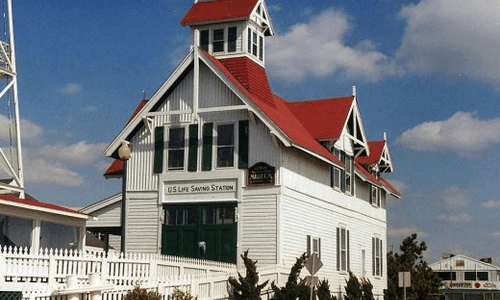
{"x":381,"y":260}
{"x":308,"y":245}
{"x":206,"y":161}
{"x":348,"y":259}
{"x":193,"y":148}
{"x":319,"y":248}
{"x":158,"y":155}
{"x":373,"y":256}
{"x":338,"y":249}
{"x":243,"y":144}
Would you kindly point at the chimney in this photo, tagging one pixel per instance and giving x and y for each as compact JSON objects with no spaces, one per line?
{"x":487,"y":260}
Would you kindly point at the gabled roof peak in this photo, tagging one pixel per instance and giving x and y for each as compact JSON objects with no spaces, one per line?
{"x":211,"y":11}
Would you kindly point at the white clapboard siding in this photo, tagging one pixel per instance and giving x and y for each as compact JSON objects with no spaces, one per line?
{"x":213,"y":92}
{"x":262,"y":146}
{"x":258,"y":225}
{"x":301,"y":215}
{"x":108,"y":216}
{"x":140,"y":166}
{"x":142,"y":222}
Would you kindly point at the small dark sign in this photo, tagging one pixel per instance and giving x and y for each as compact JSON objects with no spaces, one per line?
{"x":261,"y":174}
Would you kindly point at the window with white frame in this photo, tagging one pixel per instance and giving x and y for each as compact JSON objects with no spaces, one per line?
{"x":375,"y":196}
{"x":336,"y":178}
{"x":218,"y":40}
{"x":377,"y":254}
{"x":225,"y":145}
{"x":176,"y":148}
{"x":255,"y":44}
{"x":231,"y":39}
{"x":313,"y":246}
{"x":204,"y":39}
{"x":342,"y":249}
{"x":348,"y":174}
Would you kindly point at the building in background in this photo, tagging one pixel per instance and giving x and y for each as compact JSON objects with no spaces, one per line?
{"x":30,"y":224}
{"x":464,"y":277}
{"x":219,"y":164}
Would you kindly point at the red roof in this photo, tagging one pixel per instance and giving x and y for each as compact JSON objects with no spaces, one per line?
{"x":218,"y":10}
{"x":324,"y":119}
{"x":376,"y":148}
{"x":31,"y":202}
{"x":246,"y":73}
{"x":115,"y":169}
{"x":390,"y":186}
{"x":380,"y":182}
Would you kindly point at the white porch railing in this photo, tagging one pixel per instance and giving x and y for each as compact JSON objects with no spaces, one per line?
{"x":45,"y":275}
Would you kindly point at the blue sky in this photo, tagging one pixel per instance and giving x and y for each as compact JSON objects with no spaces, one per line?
{"x":427,"y":73}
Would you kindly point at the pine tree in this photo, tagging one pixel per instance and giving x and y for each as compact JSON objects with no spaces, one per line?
{"x":323,"y":291}
{"x":294,"y":287}
{"x":411,"y":259}
{"x":367,"y":289}
{"x":248,"y":287}
{"x":353,"y":288}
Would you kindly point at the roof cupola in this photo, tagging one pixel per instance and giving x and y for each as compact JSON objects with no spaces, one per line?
{"x":230,"y":28}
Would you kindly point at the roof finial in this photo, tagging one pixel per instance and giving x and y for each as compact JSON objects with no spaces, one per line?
{"x":385,"y":136}
{"x":354,"y":91}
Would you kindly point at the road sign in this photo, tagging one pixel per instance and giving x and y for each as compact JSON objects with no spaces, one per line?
{"x":312,"y":280}
{"x":404,"y":279}
{"x":313,"y":264}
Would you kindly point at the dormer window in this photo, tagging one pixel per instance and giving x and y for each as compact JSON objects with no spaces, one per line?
{"x":204,"y":39}
{"x":218,"y":40}
{"x":255,"y":44}
{"x":231,"y":39}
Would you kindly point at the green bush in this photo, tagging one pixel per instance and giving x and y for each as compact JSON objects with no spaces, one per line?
{"x":139,"y":293}
{"x":180,"y":295}
{"x":248,"y":287}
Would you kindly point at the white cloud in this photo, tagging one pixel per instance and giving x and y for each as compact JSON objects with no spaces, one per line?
{"x":400,"y":185}
{"x":462,"y":132}
{"x":317,"y":48}
{"x":40,"y":170}
{"x":79,"y":153}
{"x":457,"y":218}
{"x":29,"y":131}
{"x":53,"y":164}
{"x":459,"y":37}
{"x":455,"y":197}
{"x":403,"y":232}
{"x":71,"y":89}
{"x":491,"y":204}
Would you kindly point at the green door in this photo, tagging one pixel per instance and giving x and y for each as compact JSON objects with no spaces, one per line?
{"x":201,"y":231}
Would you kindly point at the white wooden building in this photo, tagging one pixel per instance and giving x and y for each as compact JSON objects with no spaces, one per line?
{"x":26,"y":223}
{"x":460,"y":273}
{"x":219,"y":164}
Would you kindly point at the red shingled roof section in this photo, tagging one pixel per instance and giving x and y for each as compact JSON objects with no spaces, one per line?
{"x":116,"y":167}
{"x":390,"y":186}
{"x":376,"y":148}
{"x":252,"y":76}
{"x":218,"y":10}
{"x":324,"y":119}
{"x":271,"y":105}
{"x":381,"y":182}
{"x":30,"y":202}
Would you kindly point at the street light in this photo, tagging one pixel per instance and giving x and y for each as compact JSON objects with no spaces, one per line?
{"x":124,"y":155}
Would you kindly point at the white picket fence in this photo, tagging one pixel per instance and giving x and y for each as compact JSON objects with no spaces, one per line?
{"x":45,"y":275}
